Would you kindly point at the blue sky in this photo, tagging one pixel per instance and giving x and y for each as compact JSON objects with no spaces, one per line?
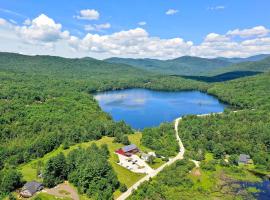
{"x":189,"y":20}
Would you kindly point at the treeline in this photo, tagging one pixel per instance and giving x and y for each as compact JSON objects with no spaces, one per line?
{"x":161,"y":139}
{"x":10,"y":179}
{"x":245,"y":132}
{"x":88,"y":169}
{"x":252,"y":92}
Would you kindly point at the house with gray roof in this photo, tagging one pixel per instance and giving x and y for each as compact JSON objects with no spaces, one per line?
{"x":30,"y":188}
{"x":244,"y":159}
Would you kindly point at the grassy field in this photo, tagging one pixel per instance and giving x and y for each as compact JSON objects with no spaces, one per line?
{"x":45,"y":196}
{"x":29,"y":170}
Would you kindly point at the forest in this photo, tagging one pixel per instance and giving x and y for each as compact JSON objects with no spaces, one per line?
{"x":161,"y":139}
{"x":88,"y":169}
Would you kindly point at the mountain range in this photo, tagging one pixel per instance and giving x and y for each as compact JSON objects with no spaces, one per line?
{"x":196,"y":66}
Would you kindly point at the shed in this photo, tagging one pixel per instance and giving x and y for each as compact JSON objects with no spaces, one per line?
{"x":30,"y":188}
{"x":244,"y":159}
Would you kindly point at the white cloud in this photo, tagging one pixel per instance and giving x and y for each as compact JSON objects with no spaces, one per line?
{"x":171,"y":12}
{"x":220,"y":7}
{"x":132,"y":43}
{"x":41,"y":29}
{"x":259,"y":31}
{"x":2,"y":21}
{"x":142,"y":23}
{"x":97,"y":27}
{"x":214,"y":37}
{"x":43,"y":35}
{"x":27,"y":22}
{"x":12,"y":21}
{"x":88,"y":14}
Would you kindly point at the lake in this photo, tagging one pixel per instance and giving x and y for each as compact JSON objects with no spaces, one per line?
{"x":142,"y":108}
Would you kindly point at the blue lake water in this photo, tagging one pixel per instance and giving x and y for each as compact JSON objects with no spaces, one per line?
{"x":263,"y":187}
{"x":142,"y":108}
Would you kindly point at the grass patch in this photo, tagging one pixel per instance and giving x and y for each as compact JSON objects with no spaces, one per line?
{"x":157,"y":163}
{"x":64,"y":192}
{"x":45,"y":196}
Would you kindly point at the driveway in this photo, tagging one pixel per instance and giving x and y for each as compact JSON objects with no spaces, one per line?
{"x":63,"y":190}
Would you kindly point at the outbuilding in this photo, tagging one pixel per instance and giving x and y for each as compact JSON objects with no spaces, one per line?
{"x":244,"y":159}
{"x":30,"y":188}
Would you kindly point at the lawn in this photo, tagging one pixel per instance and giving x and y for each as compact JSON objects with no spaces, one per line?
{"x":157,"y":163}
{"x":29,"y":170}
{"x":45,"y":196}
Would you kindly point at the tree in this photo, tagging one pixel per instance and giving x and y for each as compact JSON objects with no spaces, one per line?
{"x":122,"y":187}
{"x":10,"y":179}
{"x":55,"y":171}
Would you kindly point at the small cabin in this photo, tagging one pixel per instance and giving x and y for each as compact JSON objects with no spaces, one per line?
{"x":30,"y":188}
{"x":244,"y":159}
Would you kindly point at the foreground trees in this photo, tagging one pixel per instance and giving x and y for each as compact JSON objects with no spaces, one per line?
{"x":161,"y":139}
{"x":88,"y":169}
{"x":10,"y":179}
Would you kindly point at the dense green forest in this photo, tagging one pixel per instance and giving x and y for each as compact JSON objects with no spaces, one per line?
{"x":244,"y":132}
{"x":257,"y":66}
{"x":88,"y":169}
{"x":161,"y":139}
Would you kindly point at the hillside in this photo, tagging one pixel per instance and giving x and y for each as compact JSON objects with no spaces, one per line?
{"x":185,"y":65}
{"x":248,"y":59}
{"x":257,"y":66}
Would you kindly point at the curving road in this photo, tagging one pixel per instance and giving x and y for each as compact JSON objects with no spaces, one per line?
{"x":179,"y":156}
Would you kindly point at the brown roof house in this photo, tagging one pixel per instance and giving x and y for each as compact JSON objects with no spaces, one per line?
{"x":30,"y":188}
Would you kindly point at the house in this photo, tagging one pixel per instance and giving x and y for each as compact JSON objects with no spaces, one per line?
{"x":30,"y":188}
{"x":128,"y":150}
{"x":146,"y":157}
{"x":244,"y":159}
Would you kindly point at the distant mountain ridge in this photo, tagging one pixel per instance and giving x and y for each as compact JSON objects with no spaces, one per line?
{"x":248,"y":59}
{"x":187,"y":65}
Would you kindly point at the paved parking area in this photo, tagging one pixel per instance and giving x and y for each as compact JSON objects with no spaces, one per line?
{"x":134,"y":164}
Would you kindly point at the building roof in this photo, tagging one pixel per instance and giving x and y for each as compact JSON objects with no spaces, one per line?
{"x":32,"y":186}
{"x":129,"y":148}
{"x":244,"y":158}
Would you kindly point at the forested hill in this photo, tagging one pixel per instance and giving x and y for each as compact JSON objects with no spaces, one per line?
{"x":248,"y":59}
{"x":258,"y":66}
{"x":195,"y":66}
{"x":186,"y":65}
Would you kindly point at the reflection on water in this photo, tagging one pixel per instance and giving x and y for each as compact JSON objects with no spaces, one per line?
{"x":146,"y":108}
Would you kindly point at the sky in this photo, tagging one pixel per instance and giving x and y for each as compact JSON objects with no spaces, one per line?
{"x":162,"y":29}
